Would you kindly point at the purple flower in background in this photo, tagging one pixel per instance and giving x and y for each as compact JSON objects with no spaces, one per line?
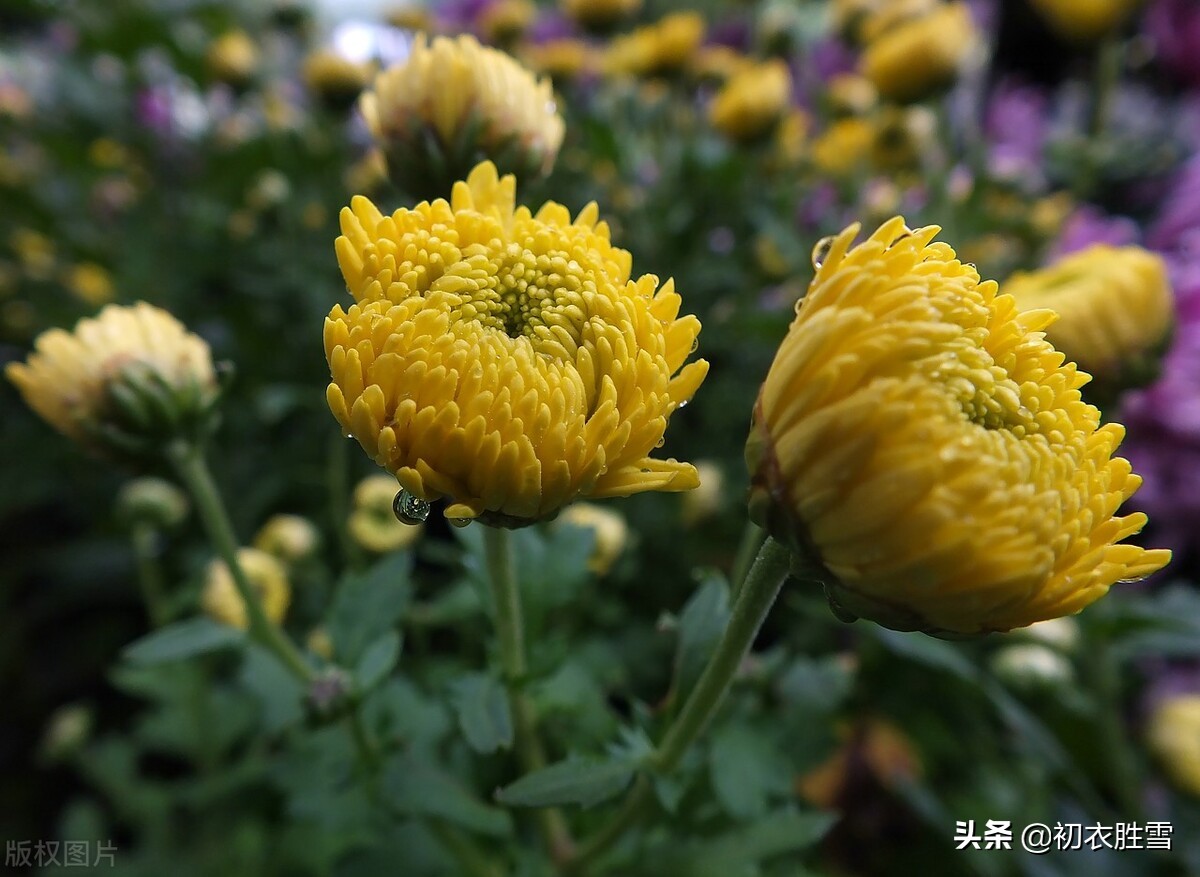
{"x":551,"y":25}
{"x":1174,"y":28}
{"x":1016,"y":124}
{"x":1163,"y":442}
{"x":1175,"y":233}
{"x":459,"y":16}
{"x":1089,"y":225}
{"x":735,"y":33}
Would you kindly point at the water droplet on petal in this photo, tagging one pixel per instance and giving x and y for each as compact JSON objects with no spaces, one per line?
{"x":460,"y":522}
{"x":1133,"y":580}
{"x":682,"y":404}
{"x":905,"y":234}
{"x":660,"y":442}
{"x":695,"y":345}
{"x":349,"y":435}
{"x":821,"y":251}
{"x":410,"y":509}
{"x":973,"y":267}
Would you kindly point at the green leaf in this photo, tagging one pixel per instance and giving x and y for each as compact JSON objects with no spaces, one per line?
{"x":481,"y":704}
{"x":184,"y":639}
{"x":582,"y":781}
{"x":745,"y":771}
{"x":414,"y":786}
{"x":736,"y":852}
{"x":280,"y":696}
{"x":816,"y":685}
{"x":377,"y":661}
{"x":367,"y":605}
{"x":928,"y":651}
{"x":701,"y":624}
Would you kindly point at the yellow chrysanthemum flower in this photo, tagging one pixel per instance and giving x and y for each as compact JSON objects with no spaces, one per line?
{"x":561,"y":60}
{"x":607,"y":526}
{"x":600,"y":14}
{"x":844,"y":147}
{"x":919,"y":438}
{"x":290,"y":538}
{"x":410,"y":17}
{"x":123,"y":383}
{"x":920,"y":56}
{"x":1083,"y":21}
{"x":505,"y":359}
{"x":1114,"y":303}
{"x":222,"y":602}
{"x":1173,"y":734}
{"x":233,"y":58}
{"x":718,"y":63}
{"x":452,"y":103}
{"x":505,"y":20}
{"x":89,"y":283}
{"x":752,"y":102}
{"x":336,"y":80}
{"x":373,"y":524}
{"x":849,"y":94}
{"x":656,"y":49}
{"x":888,"y":14}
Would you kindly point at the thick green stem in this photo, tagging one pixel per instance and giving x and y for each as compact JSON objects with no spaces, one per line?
{"x":510,"y":630}
{"x":143,"y":537}
{"x":754,"y":601}
{"x":193,"y":471}
{"x":752,"y":540}
{"x":337,"y":479}
{"x":1109,"y":59}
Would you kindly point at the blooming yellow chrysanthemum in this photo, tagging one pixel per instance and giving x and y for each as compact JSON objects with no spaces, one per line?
{"x":660,"y":48}
{"x":1084,"y":20}
{"x":600,"y":13}
{"x":335,"y":79}
{"x":608,"y":528}
{"x":920,"y":438}
{"x":373,"y":524}
{"x":123,"y":383}
{"x":752,"y":102}
{"x":452,"y":103}
{"x":922,"y":55}
{"x":1114,"y":303}
{"x":1173,"y":734}
{"x":505,"y":359}
{"x":266,"y":575}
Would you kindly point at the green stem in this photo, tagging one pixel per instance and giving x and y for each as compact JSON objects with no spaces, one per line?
{"x":753,"y":537}
{"x":1109,"y":59}
{"x":193,"y":471}
{"x":337,"y":478}
{"x":471,"y":859}
{"x":762,"y":586}
{"x":510,"y":630}
{"x":143,"y":537}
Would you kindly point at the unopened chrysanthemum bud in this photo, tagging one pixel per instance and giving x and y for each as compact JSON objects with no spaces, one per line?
{"x":123,"y":384}
{"x":1057,"y":633}
{"x":152,"y":501}
{"x":844,"y":147}
{"x":89,"y":283}
{"x":849,"y":94}
{"x":1173,"y":734}
{"x":1084,"y":21}
{"x":453,"y":103}
{"x":600,"y":15}
{"x":751,"y":103}
{"x":705,"y":500}
{"x":1031,"y":667}
{"x":660,"y":49}
{"x":335,"y":79}
{"x":1115,"y":310}
{"x":921,"y":56}
{"x":610,"y":530}
{"x":373,"y":524}
{"x":233,"y":58}
{"x":291,"y":538}
{"x":267,"y":577}
{"x":925,"y":451}
{"x":562,"y":60}
{"x":67,"y":730}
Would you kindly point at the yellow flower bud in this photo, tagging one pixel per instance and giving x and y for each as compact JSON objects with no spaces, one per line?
{"x":844,"y":147}
{"x":336,"y":80}
{"x":919,"y":439}
{"x":1173,"y":734}
{"x":662,"y":48}
{"x":1031,"y":667}
{"x":504,"y":21}
{"x":410,"y":17}
{"x":291,"y":538}
{"x":122,"y":384}
{"x":705,"y":500}
{"x":600,"y":14}
{"x":373,"y":524}
{"x":1082,"y":21}
{"x":452,"y":103}
{"x":752,"y":102}
{"x":152,"y":501}
{"x":849,"y":94}
{"x":921,"y":56}
{"x":89,"y":283}
{"x":233,"y":58}
{"x":610,"y":530}
{"x":222,"y":602}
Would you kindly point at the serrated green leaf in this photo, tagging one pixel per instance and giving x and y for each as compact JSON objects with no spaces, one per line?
{"x":481,"y":704}
{"x":582,"y":781}
{"x":745,"y":771}
{"x":377,"y":661}
{"x":701,"y":624}
{"x":184,"y":639}
{"x":414,"y":786}
{"x":367,"y":605}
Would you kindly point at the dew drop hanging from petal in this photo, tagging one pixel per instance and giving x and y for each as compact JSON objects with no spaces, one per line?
{"x":821,"y":251}
{"x":410,"y":509}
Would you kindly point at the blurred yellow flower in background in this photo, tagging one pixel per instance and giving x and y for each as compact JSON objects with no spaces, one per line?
{"x":336,"y":80}
{"x":665,"y":47}
{"x":221,"y":601}
{"x":1173,"y":735}
{"x":705,"y":500}
{"x":562,"y":59}
{"x":410,"y":17}
{"x":600,"y":14}
{"x":844,"y":147}
{"x":233,"y":58}
{"x":503,"y":21}
{"x":503,"y":359}
{"x":1084,"y":20}
{"x":35,"y":252}
{"x":887,"y":753}
{"x":123,"y":383}
{"x":373,"y":524}
{"x":849,"y":94}
{"x":718,"y":63}
{"x":452,"y":103}
{"x":609,"y":528}
{"x":290,"y":538}
{"x":919,"y":437}
{"x":922,"y":55}
{"x":752,"y":102}
{"x":89,"y":283}
{"x":1115,"y":306}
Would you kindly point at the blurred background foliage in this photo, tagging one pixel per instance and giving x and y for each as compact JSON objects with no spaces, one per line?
{"x":138,"y":162}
